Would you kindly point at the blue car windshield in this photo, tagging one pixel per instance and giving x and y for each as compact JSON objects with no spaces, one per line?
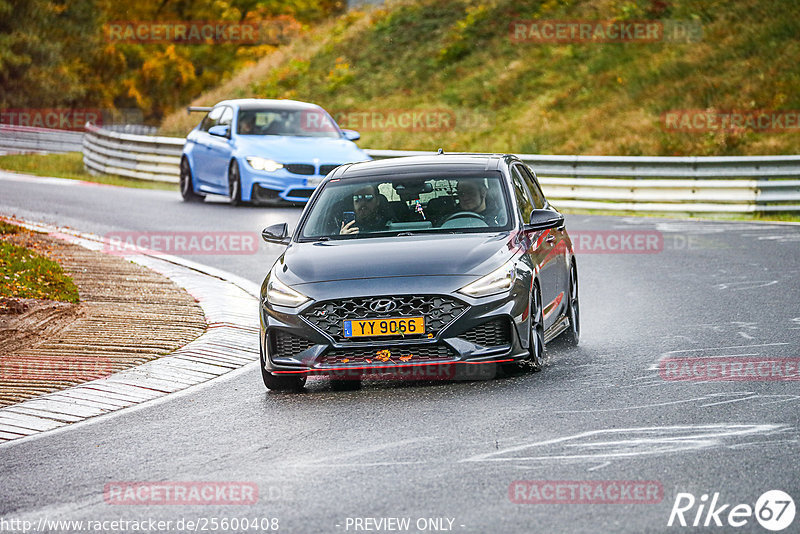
{"x":393,"y":205}
{"x":292,"y":122}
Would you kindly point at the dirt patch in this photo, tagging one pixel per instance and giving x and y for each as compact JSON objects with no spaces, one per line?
{"x":127,"y":315}
{"x":26,"y":322}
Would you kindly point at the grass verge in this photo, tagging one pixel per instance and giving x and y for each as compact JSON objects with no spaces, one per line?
{"x":457,"y":60}
{"x":70,"y":165}
{"x":25,"y":273}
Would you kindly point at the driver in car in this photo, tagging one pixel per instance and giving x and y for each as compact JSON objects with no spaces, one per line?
{"x":369,"y":213}
{"x":471,"y":196}
{"x":247,"y":124}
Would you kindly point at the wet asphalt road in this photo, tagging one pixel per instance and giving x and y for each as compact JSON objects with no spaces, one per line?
{"x":451,"y":452}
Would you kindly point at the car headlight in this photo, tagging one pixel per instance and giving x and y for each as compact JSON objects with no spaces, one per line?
{"x":495,"y":282}
{"x":280,"y":294}
{"x":264,"y":164}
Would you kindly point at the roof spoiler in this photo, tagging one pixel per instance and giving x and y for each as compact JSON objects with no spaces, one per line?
{"x":204,"y":109}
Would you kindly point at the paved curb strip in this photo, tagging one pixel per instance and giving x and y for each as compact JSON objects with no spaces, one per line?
{"x":231,"y":341}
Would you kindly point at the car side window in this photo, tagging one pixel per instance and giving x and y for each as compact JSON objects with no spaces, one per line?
{"x":524,"y":200}
{"x":212,"y":119}
{"x":533,"y":186}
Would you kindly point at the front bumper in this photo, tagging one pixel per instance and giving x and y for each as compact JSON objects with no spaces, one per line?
{"x":474,"y":332}
{"x":279,"y":185}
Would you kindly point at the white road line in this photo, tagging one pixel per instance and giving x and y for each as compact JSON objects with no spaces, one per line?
{"x":595,"y":468}
{"x":728,"y":401}
{"x":635,"y":442}
{"x":726,"y":348}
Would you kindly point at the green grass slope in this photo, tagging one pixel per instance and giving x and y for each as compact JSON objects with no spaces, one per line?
{"x":456,"y":57}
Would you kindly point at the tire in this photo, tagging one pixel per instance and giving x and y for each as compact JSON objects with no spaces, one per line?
{"x":280,"y":383}
{"x":186,"y":183}
{"x":535,"y":359}
{"x":234,"y":184}
{"x":536,"y":346}
{"x":571,"y":336}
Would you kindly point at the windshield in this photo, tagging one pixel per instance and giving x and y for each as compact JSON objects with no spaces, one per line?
{"x":392,"y":205}
{"x":294,"y":122}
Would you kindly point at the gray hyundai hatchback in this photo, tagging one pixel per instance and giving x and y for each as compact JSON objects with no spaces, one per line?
{"x":418,"y":267}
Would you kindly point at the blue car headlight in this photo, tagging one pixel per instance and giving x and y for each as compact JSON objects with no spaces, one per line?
{"x":263,"y":164}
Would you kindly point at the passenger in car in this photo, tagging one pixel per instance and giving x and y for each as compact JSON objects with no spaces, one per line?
{"x":472,"y":196}
{"x":371,"y":211}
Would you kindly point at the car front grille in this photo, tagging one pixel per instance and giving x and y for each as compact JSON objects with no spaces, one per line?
{"x":262,"y":193}
{"x":489,"y":334}
{"x":439,"y":311}
{"x":325,"y":169}
{"x":300,"y":168}
{"x":300,"y":193}
{"x":389,"y":355}
{"x":287,"y":345}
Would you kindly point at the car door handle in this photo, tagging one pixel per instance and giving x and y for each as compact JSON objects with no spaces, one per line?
{"x":551,"y":239}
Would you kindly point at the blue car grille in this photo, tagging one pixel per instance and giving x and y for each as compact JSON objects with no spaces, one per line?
{"x":439,"y":311}
{"x":325,"y":169}
{"x":300,"y":193}
{"x":300,"y":168}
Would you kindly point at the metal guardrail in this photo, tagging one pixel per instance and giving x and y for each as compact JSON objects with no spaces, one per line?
{"x":31,"y":139}
{"x":736,"y":184}
{"x":130,"y":155}
{"x":136,"y":129}
{"x":744,"y":184}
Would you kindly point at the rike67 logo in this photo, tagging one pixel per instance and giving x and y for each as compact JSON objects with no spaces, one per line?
{"x":774,"y":511}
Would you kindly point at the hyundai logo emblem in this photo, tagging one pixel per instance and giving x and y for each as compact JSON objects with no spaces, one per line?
{"x":383,"y":305}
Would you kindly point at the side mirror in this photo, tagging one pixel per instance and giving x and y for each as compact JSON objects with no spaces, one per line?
{"x":544,"y":219}
{"x":351,"y":135}
{"x":220,"y":130}
{"x":277,"y":233}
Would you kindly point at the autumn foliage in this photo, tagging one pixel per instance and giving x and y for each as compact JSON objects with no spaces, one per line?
{"x":58,"y":53}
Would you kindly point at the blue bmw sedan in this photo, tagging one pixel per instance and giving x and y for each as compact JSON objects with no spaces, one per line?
{"x":264,"y":151}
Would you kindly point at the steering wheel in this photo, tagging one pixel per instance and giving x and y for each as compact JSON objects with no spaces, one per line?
{"x":464,"y":215}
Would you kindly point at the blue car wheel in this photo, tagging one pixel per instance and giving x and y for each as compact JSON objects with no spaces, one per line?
{"x":234,"y":184}
{"x":186,"y":184}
